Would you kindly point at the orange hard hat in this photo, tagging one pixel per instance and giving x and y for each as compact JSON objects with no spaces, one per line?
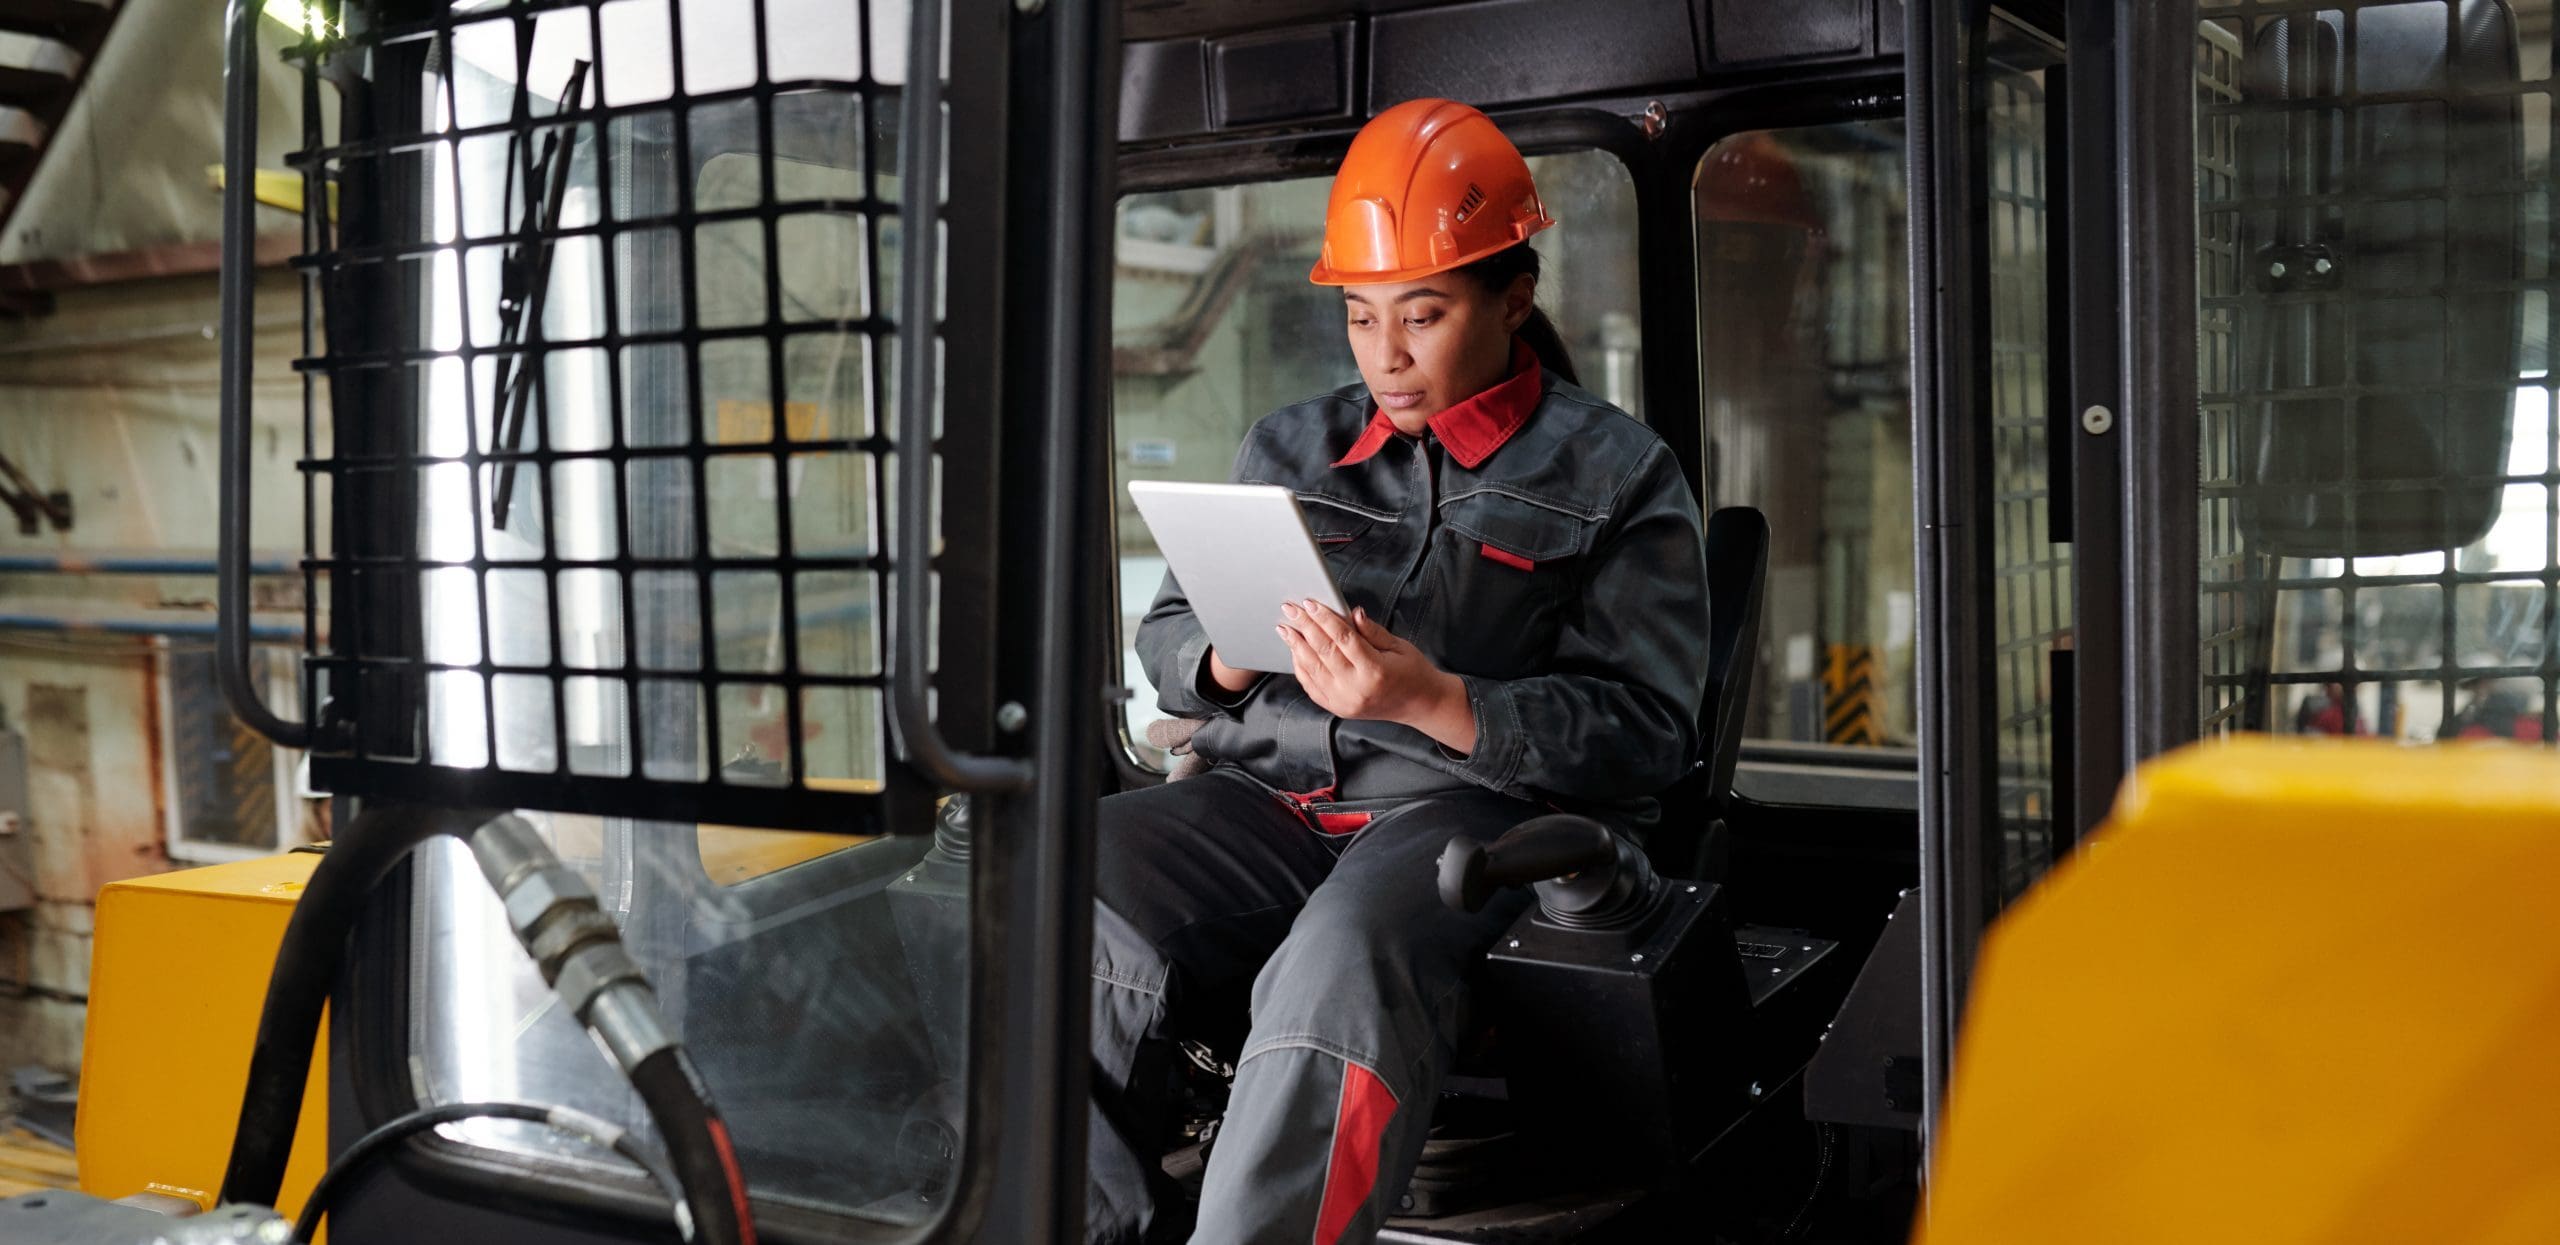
{"x":1428,"y":185}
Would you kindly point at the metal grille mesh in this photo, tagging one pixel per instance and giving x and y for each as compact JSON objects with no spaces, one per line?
{"x":2222,"y":565}
{"x":2362,"y":168}
{"x":596,"y":427}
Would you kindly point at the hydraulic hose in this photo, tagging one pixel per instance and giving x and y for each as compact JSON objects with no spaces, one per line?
{"x":698,"y":1147}
{"x":579,"y":951}
{"x":375,"y":1144}
{"x":315,"y":944}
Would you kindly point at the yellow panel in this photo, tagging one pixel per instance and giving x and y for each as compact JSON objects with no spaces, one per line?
{"x":178,"y":970}
{"x":740,"y":422}
{"x":277,"y":188}
{"x":2294,"y":992}
{"x":856,"y":786}
{"x":731,"y":855}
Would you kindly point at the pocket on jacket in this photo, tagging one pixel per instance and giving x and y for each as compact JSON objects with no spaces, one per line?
{"x":1342,"y":535}
{"x":1527,"y":530}
{"x":1501,"y":583}
{"x":1333,"y":525}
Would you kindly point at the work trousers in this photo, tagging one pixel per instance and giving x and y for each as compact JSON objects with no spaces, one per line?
{"x":1331,"y":912}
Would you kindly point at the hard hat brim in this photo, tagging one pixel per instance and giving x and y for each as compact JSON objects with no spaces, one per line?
{"x":1322,"y":274}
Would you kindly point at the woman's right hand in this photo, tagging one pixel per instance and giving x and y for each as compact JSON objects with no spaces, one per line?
{"x":1229,"y":679}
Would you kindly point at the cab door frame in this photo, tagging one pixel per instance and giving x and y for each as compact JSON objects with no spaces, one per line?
{"x":1032,"y":112}
{"x":2122,"y":440}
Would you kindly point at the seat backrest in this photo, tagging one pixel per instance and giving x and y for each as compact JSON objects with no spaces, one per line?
{"x":1690,"y":841}
{"x":1737,"y":570}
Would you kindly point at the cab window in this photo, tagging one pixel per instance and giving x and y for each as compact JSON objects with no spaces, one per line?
{"x":1804,"y":336}
{"x":1214,"y":326}
{"x":698,"y":559}
{"x":1805,"y":358}
{"x":2378,"y":482}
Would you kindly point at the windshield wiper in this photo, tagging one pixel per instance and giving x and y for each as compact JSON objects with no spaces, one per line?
{"x":524,"y":276}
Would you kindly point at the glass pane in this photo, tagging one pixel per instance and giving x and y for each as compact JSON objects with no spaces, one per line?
{"x":225,"y":772}
{"x":1214,"y":325}
{"x":2032,"y":590}
{"x":2374,"y":317}
{"x":1805,"y":357}
{"x":812,"y":975}
{"x":683,"y":442}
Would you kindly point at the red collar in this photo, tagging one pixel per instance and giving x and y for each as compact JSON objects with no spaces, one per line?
{"x":1472,"y":430}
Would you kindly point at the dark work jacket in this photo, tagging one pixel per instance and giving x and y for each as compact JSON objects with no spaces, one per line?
{"x":1538,"y":542}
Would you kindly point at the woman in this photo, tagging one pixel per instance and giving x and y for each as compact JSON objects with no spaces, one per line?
{"x":1528,"y":632}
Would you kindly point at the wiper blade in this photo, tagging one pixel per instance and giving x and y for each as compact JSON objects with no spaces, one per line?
{"x":525,"y":276}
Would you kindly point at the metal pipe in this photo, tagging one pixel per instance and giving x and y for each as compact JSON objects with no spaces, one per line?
{"x":2155,"y":155}
{"x":1058,"y":816}
{"x":919,"y":195}
{"x":142,"y":562}
{"x":142,"y":625}
{"x":240,"y":82}
{"x":1944,"y":73}
{"x":133,"y":337}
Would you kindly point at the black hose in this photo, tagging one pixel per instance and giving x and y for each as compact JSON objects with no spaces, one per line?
{"x":614,"y":1002}
{"x":1824,"y":1138}
{"x":315,"y":944}
{"x":375,"y":1144}
{"x":698,"y":1147}
{"x":578,"y":949}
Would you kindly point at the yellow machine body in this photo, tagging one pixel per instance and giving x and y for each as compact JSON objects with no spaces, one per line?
{"x":2293,"y":992}
{"x":731,"y":855}
{"x":178,"y":970}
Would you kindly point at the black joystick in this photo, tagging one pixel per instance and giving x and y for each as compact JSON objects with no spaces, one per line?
{"x":1587,"y":876}
{"x":1618,"y":978}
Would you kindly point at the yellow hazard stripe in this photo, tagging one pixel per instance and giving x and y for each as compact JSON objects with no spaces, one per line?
{"x":1849,"y":695}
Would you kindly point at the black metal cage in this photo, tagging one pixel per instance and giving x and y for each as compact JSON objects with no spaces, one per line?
{"x":599,"y":461}
{"x":2374,"y":277}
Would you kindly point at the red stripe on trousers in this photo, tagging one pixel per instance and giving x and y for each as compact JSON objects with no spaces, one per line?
{"x":1509,"y":559}
{"x":1352,"y":1173}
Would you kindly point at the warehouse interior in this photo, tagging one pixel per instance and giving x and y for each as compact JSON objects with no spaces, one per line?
{"x":121,"y":760}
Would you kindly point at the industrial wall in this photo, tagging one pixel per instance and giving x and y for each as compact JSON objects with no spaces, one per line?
{"x":107,"y":395}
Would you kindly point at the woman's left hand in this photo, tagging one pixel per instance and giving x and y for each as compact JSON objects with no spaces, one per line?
{"x":1354,"y":668}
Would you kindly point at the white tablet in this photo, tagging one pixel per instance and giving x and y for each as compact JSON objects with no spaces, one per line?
{"x":1238,"y":550}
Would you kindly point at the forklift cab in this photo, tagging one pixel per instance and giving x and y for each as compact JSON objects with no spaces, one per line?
{"x":615,"y":392}
{"x":642,"y":503}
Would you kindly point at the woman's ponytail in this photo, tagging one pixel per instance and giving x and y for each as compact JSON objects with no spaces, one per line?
{"x":1540,"y":332}
{"x":1496,"y":272}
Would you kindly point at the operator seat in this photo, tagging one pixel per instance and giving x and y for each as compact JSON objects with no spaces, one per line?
{"x":1692,"y":841}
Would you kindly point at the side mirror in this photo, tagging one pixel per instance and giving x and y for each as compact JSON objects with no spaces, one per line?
{"x":2373,"y":319}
